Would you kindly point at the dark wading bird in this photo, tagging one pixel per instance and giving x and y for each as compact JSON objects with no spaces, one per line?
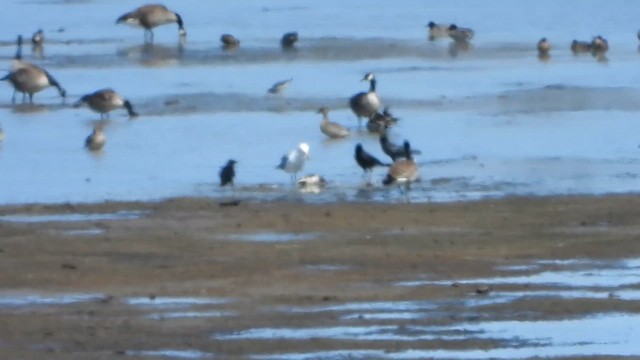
{"x":228,"y":173}
{"x":104,"y":101}
{"x":367,"y":161}
{"x":151,"y":16}
{"x":392,"y":150}
{"x":365,"y":104}
{"x":403,"y":171}
{"x":288,"y":40}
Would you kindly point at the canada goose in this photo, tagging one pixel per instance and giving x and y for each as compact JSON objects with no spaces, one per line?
{"x":330,"y":128}
{"x":294,"y":161}
{"x":437,"y":31}
{"x":97,"y":139}
{"x":599,"y":45}
{"x":289,"y":39}
{"x":365,"y":104}
{"x":580,"y":46}
{"x":17,"y":59}
{"x":367,"y":161}
{"x":105,"y":100}
{"x":30,"y":79}
{"x":392,"y":150}
{"x":227,"y":173}
{"x":150,"y":16}
{"x":279,"y":86}
{"x":380,"y":121}
{"x":460,"y":34}
{"x":403,"y":171}
{"x":37,"y":38}
{"x":229,"y":41}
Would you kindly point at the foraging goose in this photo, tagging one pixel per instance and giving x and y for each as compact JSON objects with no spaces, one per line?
{"x":228,"y":173}
{"x":381,"y":121}
{"x":229,"y":41}
{"x":97,"y":139}
{"x":580,"y":46}
{"x":37,"y":38}
{"x":30,"y":79}
{"x":437,"y":31}
{"x":367,"y":161}
{"x":330,"y":128}
{"x":104,"y":101}
{"x":599,"y":45}
{"x":365,"y":104}
{"x":279,"y":86}
{"x":403,"y":171}
{"x":392,"y":150}
{"x":151,"y":16}
{"x":294,"y":161}
{"x":289,"y":39}
{"x":460,"y":34}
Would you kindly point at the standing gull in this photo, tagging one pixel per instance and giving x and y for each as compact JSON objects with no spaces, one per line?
{"x":294,"y":161}
{"x":151,"y":16}
{"x":329,"y":128}
{"x":365,"y":104}
{"x":104,"y":101}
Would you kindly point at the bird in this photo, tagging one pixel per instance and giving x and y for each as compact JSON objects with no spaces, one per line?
{"x":293,"y":162}
{"x":599,"y":45}
{"x":96,"y":140}
{"x":228,"y":173}
{"x":17,"y":59}
{"x":580,"y":46}
{"x":392,"y":150}
{"x":312,"y":183}
{"x":151,"y":16}
{"x":104,"y":101}
{"x":367,"y":161}
{"x":437,"y":31}
{"x":460,"y":34}
{"x":404,"y":171}
{"x":229,"y":41}
{"x":37,"y":39}
{"x":365,"y":104}
{"x":330,"y":128}
{"x":288,"y":40}
{"x":1,"y":134}
{"x":381,"y":120}
{"x":30,"y":79}
{"x":543,"y":46}
{"x":279,"y":86}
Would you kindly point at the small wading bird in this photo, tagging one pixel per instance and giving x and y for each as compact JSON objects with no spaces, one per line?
{"x":288,"y":40}
{"x":279,"y":86}
{"x":365,"y":104}
{"x":329,"y":128}
{"x":367,"y":161}
{"x":228,"y":173}
{"x":460,"y":34}
{"x":229,"y":41}
{"x":544,"y":47}
{"x":403,"y":171}
{"x":293,"y":162}
{"x":96,"y":140}
{"x":38,"y":38}
{"x":104,"y":101}
{"x":437,"y":31}
{"x":151,"y":16}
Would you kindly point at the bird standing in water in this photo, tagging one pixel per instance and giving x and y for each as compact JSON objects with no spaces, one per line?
{"x":293,"y":162}
{"x":228,"y":173}
{"x":151,"y":16}
{"x":367,"y":161}
{"x":403,"y":171}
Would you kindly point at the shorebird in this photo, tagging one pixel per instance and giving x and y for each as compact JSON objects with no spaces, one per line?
{"x":437,"y":31}
{"x":151,"y":16}
{"x":404,"y":171}
{"x":294,"y":161}
{"x":228,"y":173}
{"x":392,"y":150}
{"x":37,"y":38}
{"x":543,"y":46}
{"x":367,"y":161}
{"x":29,"y":79}
{"x":96,"y":140}
{"x":580,"y":46}
{"x":599,"y":45}
{"x":289,"y":39}
{"x":279,"y":86}
{"x":104,"y":101}
{"x":365,"y":104}
{"x":381,"y":121}
{"x":460,"y":34}
{"x":229,"y":41}
{"x":330,"y":128}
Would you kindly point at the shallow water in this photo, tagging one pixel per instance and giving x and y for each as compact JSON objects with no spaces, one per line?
{"x":491,"y":121}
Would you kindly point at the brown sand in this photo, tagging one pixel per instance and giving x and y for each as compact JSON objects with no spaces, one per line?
{"x":355,"y":252}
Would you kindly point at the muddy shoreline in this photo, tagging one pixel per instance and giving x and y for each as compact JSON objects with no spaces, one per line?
{"x":199,"y":279}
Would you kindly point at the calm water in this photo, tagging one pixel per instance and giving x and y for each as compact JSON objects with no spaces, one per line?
{"x":491,"y":121}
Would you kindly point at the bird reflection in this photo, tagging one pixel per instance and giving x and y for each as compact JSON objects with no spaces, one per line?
{"x":153,"y":55}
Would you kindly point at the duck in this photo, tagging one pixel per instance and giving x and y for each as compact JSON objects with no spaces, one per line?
{"x":294,"y":161}
{"x":229,"y":41}
{"x":367,"y":161}
{"x":104,"y":101}
{"x":280,"y":86}
{"x":96,"y":140}
{"x":392,"y":150}
{"x":228,"y":173}
{"x":37,"y":39}
{"x":381,"y":120}
{"x":437,"y":31}
{"x":330,"y":128}
{"x":599,"y":45}
{"x":543,"y":46}
{"x":30,"y":79}
{"x":366,"y":104}
{"x":580,"y":46}
{"x":312,"y":183}
{"x":404,"y":171}
{"x":150,"y":16}
{"x":460,"y":34}
{"x":288,"y":40}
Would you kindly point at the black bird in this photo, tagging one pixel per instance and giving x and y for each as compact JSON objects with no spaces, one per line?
{"x":367,"y":161}
{"x":227,"y":173}
{"x":289,"y":39}
{"x":392,"y":150}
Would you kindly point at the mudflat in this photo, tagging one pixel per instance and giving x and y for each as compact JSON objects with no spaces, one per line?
{"x":191,"y":278}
